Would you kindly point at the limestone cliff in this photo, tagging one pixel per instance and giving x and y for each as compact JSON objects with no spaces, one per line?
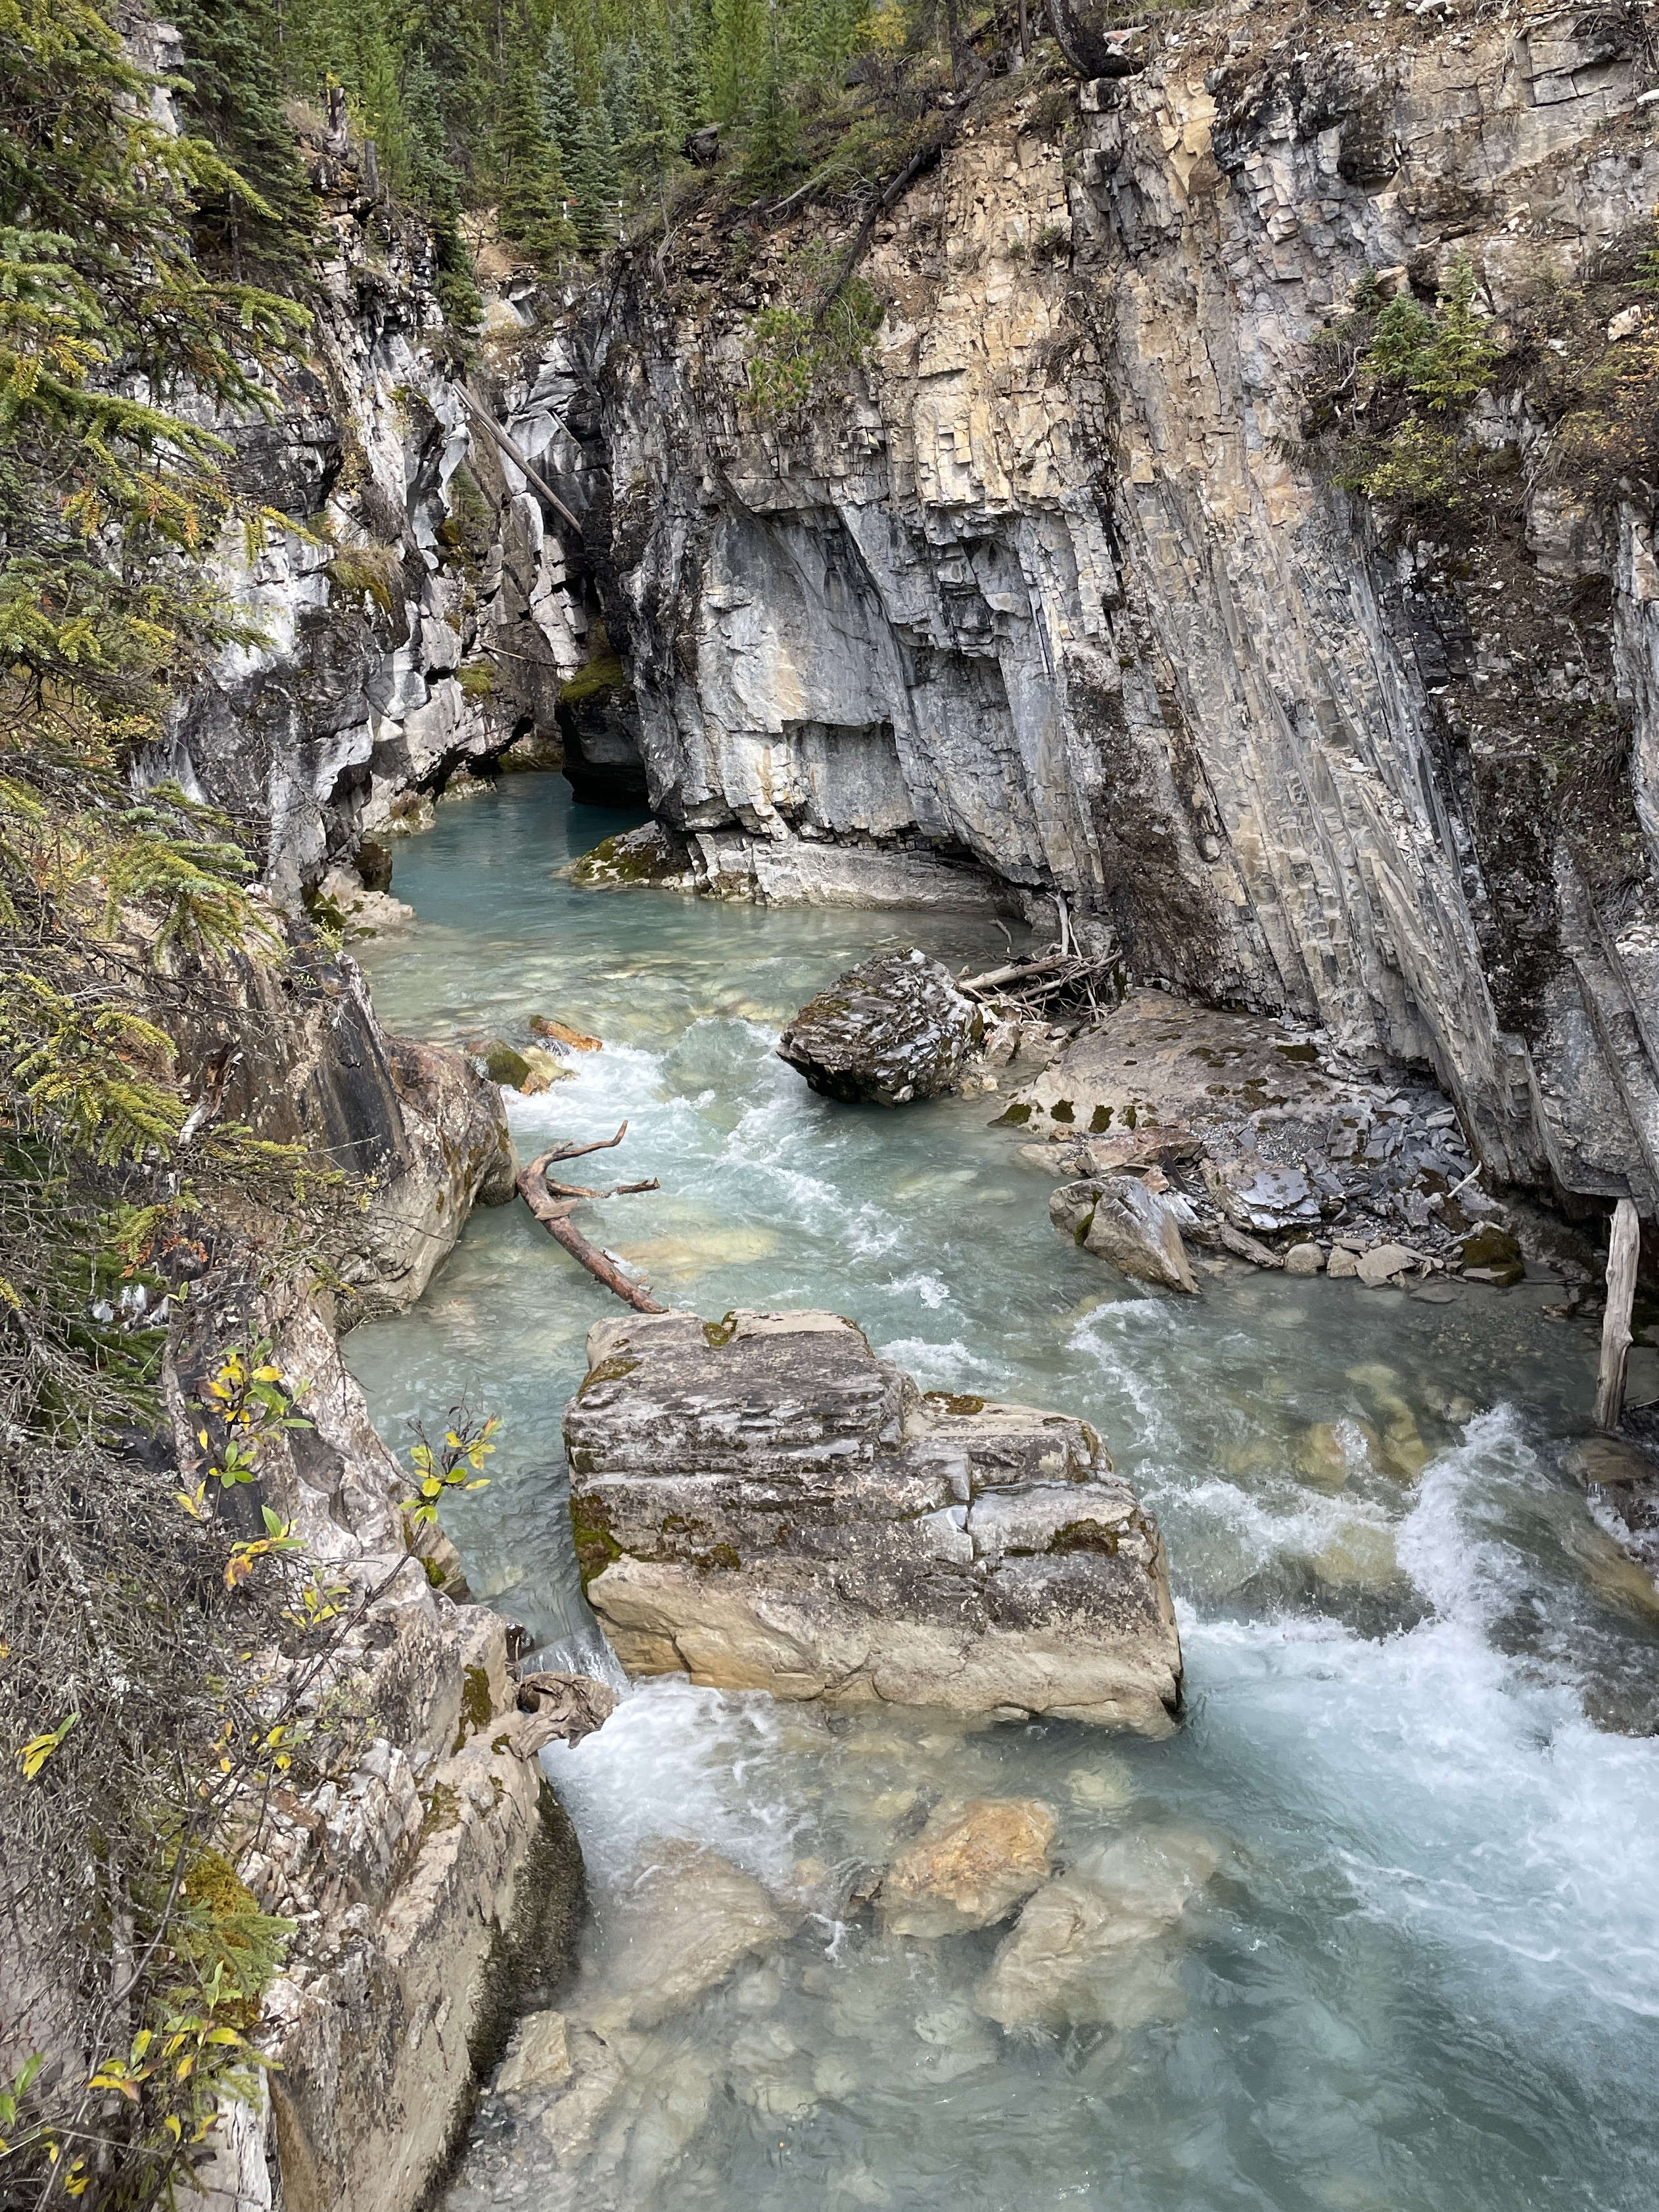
{"x":1048,"y":592}
{"x":429,"y":1872}
{"x":1046,"y":588}
{"x":412,"y":613}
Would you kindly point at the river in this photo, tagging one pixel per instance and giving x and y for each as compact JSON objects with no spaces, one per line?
{"x":1419,"y":1677}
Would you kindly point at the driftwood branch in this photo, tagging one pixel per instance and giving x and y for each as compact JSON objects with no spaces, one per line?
{"x":531,"y":474}
{"x":554,"y":1214}
{"x":576,"y":1152}
{"x":1624,"y":1250}
{"x":583,"y":1190}
{"x":1015,"y":971}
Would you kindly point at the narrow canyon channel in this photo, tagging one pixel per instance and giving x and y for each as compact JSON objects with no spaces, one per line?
{"x":1422,"y":1976}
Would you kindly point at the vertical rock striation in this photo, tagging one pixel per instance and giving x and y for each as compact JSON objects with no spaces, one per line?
{"x":1048,"y":589}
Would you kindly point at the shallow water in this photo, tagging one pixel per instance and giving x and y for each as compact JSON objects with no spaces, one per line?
{"x":1427,"y":1972}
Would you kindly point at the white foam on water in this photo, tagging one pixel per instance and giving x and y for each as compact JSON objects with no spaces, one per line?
{"x":1472,"y":1803}
{"x":1284,"y":1518}
{"x":1106,"y":1336}
{"x":937,"y":1364}
{"x":709,"y":1766}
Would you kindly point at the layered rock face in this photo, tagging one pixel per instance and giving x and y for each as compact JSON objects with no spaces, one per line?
{"x":293,"y":1048}
{"x":415,"y":613}
{"x":1045,"y":589}
{"x":432,"y":1872}
{"x":763,"y":1504}
{"x":424,"y":1882}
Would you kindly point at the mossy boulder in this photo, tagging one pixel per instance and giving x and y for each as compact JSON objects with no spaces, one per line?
{"x":1496,"y":1253}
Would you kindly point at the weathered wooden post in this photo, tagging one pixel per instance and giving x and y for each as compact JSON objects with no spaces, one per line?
{"x":1624,"y":1248}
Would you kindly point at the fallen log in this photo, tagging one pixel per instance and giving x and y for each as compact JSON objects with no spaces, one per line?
{"x":531,"y":476}
{"x":1016,"y":971}
{"x":554,"y":1214}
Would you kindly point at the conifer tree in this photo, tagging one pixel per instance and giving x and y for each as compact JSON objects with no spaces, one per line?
{"x":451,"y":34}
{"x":380,"y":92}
{"x":560,"y":102}
{"x":235,"y":101}
{"x":437,"y":193}
{"x":737,"y":40}
{"x":774,"y":129}
{"x":532,"y":211}
{"x":661,"y":126}
{"x":689,"y":39}
{"x":616,"y":91}
{"x":594,"y":180}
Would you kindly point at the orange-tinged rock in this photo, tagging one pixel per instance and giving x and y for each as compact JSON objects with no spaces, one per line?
{"x":969,"y":1867}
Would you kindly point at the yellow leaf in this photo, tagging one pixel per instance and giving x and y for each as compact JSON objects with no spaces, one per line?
{"x":171,"y":2125}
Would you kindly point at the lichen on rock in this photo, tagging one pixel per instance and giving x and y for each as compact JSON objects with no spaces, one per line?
{"x":894,"y":1029}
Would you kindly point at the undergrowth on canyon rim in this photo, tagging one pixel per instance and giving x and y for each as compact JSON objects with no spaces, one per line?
{"x":794,"y":348}
{"x":1389,"y":402}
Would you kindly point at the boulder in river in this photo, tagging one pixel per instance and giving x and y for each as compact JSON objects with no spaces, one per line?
{"x":692,"y":1919}
{"x":1079,"y":1954}
{"x":893,"y":1029}
{"x":762,"y":1502}
{"x":970,"y":1866}
{"x":1121,"y":1220}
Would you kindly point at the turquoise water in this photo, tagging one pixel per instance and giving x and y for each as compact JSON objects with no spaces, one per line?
{"x":1425,"y":1973}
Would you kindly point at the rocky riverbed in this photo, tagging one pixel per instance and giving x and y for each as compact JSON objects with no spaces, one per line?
{"x":1415,"y":1665}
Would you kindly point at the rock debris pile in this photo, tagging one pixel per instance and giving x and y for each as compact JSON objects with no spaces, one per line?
{"x":1171,"y":1125}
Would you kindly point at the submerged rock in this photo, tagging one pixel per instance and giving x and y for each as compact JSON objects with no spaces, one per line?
{"x":538,"y":2057}
{"x":691,"y":1920}
{"x":1070,"y":1961}
{"x":1493,"y":1254}
{"x":970,"y":1866}
{"x":1120,"y":1219}
{"x":893,"y":1029}
{"x":505,"y":1064}
{"x":763,"y":1504}
{"x":561,"y":1033}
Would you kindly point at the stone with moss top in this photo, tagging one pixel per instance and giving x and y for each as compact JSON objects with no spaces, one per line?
{"x":762,"y":1502}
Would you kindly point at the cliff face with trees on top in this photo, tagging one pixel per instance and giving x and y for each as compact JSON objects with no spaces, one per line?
{"x":1242,"y":522}
{"x":1220,"y":488}
{"x":1122,"y":520}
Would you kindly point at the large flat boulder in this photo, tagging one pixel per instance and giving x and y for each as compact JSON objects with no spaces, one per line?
{"x":893,"y":1029}
{"x":761,"y":1503}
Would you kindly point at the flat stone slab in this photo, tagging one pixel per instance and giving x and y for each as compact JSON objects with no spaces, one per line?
{"x":1264,"y":1127}
{"x":1156,"y":1061}
{"x":761,"y":1503}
